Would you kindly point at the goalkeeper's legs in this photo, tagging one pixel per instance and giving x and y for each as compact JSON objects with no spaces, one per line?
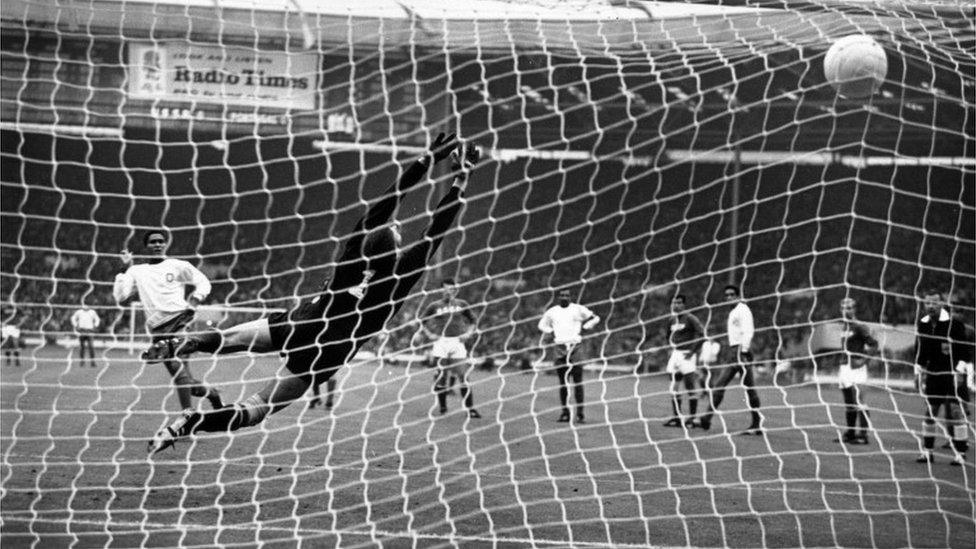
{"x":187,"y":386}
{"x":253,"y":336}
{"x":441,"y":385}
{"x":275,"y":396}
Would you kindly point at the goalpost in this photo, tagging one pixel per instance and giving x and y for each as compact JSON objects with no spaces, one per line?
{"x":634,"y":150}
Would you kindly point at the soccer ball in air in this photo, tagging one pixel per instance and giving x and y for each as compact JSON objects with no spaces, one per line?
{"x":855,"y":66}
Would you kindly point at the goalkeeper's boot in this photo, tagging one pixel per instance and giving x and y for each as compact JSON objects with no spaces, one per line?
{"x":705,"y":422}
{"x":690,"y":423}
{"x":185,"y":347}
{"x":673,"y":422}
{"x":926,"y":457}
{"x":180,"y":428}
{"x":473,"y":414}
{"x":564,"y":417}
{"x":959,"y":459}
{"x":580,"y":418}
{"x":159,"y":351}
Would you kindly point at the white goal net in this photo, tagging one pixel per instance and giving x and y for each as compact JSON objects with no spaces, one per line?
{"x":633,"y":151}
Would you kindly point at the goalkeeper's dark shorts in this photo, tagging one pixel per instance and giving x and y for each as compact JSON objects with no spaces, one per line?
{"x":298,"y":334}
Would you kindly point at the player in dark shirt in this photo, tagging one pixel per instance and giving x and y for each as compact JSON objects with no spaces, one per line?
{"x":938,"y":339}
{"x":856,"y":343}
{"x":369,"y":285}
{"x":448,"y":323}
{"x":686,"y":335}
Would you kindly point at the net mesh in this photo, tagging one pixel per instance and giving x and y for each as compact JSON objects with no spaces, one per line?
{"x":634,"y":150}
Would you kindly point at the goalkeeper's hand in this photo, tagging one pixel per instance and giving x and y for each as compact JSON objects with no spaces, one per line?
{"x":443,"y":146}
{"x":464,"y":158}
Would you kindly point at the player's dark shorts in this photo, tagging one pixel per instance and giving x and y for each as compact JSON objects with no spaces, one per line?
{"x":731,"y":357}
{"x":297,"y":331}
{"x":297,"y":328}
{"x":173,"y":326}
{"x":939,"y":385}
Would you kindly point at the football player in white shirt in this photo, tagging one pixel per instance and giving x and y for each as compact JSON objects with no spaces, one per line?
{"x":563,"y":324}
{"x":160,"y":284}
{"x":10,"y":336}
{"x":85,"y":321}
{"x":736,"y":359}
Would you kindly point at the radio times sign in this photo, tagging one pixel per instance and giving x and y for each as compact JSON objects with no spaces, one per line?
{"x":228,"y":76}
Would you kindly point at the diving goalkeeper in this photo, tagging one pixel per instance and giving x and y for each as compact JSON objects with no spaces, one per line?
{"x":370,"y":283}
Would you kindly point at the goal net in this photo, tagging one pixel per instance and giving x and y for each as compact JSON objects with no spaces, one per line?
{"x":633,"y":151}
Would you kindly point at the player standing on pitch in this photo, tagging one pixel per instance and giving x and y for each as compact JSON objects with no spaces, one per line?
{"x":736,"y":359}
{"x":85,"y":321}
{"x":160,"y":285}
{"x":371,"y":281}
{"x":686,"y":336}
{"x":939,"y":338}
{"x":563,"y":324}
{"x":10,"y":339}
{"x":448,"y":323}
{"x":856,"y":342}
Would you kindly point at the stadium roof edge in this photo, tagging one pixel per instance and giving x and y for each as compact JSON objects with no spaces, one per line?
{"x":481,"y":25}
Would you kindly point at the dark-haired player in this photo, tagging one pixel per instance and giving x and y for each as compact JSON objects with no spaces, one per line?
{"x":736,"y":359}
{"x":562,"y":324}
{"x":686,"y":336}
{"x":369,"y":285}
{"x":160,"y":285}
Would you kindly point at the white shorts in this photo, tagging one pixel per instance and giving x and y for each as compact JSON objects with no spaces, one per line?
{"x":448,"y":347}
{"x":682,"y":362}
{"x":850,"y":377}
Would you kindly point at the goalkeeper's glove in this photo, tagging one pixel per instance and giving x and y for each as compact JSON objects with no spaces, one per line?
{"x":464,"y":158}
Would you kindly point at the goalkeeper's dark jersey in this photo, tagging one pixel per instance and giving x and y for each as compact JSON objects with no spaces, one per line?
{"x":364,"y":292}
